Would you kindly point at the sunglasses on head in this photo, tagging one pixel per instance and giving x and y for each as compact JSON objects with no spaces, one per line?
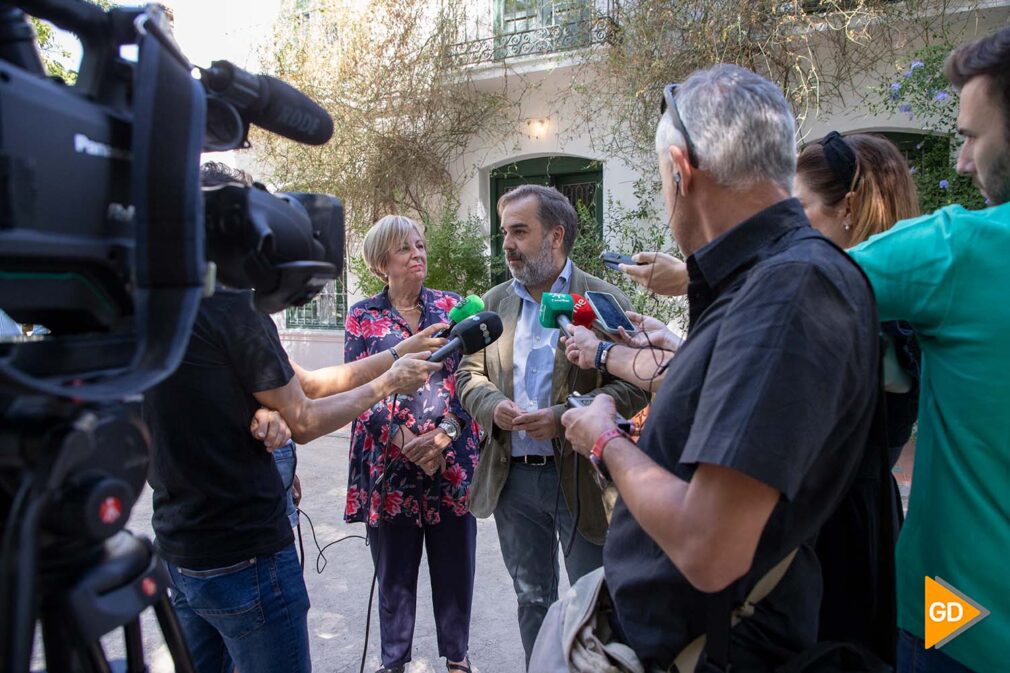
{"x":668,"y":103}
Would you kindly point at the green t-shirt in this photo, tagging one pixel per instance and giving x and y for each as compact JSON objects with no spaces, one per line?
{"x":948,"y":274}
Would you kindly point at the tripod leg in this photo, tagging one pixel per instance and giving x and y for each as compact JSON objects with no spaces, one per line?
{"x":134,"y":647}
{"x":174,"y":638}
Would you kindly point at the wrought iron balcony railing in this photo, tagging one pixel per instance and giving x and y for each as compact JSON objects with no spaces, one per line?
{"x":540,"y":27}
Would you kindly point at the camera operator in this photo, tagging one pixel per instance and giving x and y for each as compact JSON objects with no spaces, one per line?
{"x":760,"y":423}
{"x":219,"y":504}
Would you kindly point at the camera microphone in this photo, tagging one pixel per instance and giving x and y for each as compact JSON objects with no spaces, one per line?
{"x":472,"y":335}
{"x":269,"y":103}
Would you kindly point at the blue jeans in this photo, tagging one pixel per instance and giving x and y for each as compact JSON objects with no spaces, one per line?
{"x":525,"y":518}
{"x":250,"y":616}
{"x":913,"y":657}
{"x":286,"y":461}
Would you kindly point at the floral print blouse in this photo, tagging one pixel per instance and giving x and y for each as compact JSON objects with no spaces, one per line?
{"x":407,"y":496}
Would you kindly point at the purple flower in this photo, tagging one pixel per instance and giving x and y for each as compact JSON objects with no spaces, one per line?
{"x":944,"y":184}
{"x":895,"y":90}
{"x":914,"y":170}
{"x":941,"y":96}
{"x":908,"y":73}
{"x":916,"y":65}
{"x":905,"y":107}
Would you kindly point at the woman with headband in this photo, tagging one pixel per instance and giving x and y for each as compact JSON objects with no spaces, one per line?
{"x":852,"y":188}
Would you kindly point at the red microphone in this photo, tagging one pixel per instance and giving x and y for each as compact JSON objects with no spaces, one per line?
{"x":583,"y":314}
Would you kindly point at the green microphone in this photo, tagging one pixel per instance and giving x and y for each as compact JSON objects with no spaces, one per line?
{"x":468,"y":306}
{"x":556,"y":311}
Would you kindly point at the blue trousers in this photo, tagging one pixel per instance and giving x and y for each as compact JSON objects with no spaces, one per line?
{"x":451,"y":546}
{"x":529,"y":532}
{"x":250,"y":616}
{"x":913,"y":657}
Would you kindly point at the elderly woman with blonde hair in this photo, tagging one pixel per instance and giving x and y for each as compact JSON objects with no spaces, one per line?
{"x":412,"y":459}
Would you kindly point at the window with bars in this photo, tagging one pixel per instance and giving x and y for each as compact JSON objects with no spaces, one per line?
{"x":326,"y":311}
{"x":517,"y":16}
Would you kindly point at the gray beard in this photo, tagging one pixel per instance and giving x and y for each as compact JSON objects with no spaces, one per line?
{"x":536,"y":271}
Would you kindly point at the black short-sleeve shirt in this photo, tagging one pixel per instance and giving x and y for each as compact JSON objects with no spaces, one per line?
{"x":777,"y":379}
{"x":218,"y":498}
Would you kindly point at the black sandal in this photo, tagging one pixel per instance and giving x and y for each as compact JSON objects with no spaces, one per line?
{"x":462,"y":668}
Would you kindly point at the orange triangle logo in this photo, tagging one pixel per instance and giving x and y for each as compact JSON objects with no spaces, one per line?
{"x":949,"y":613}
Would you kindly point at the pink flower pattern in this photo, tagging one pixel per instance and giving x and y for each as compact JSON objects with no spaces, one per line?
{"x":406,"y":494}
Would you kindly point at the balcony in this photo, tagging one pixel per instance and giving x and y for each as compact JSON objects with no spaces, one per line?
{"x":497,"y":30}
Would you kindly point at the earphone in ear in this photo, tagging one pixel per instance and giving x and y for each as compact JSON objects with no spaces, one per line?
{"x":676,"y":178}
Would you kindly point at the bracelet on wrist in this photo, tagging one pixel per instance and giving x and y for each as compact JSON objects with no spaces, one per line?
{"x":602,"y":351}
{"x":596,"y":454}
{"x":392,"y":351}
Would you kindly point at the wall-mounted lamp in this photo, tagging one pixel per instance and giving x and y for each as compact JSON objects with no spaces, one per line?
{"x":536,"y":129}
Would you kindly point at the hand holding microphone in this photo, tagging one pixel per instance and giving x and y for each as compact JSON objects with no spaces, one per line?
{"x":410,"y":372}
{"x":427,"y":339}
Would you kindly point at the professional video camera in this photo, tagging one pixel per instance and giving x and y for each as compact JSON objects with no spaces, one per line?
{"x":107,"y":239}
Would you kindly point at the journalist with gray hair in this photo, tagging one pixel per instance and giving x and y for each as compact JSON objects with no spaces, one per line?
{"x":758,"y":426}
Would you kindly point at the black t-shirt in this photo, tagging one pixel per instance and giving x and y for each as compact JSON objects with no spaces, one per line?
{"x":777,"y":379}
{"x":218,"y":498}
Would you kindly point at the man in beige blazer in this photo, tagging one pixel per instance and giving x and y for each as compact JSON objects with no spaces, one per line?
{"x":516,"y":389}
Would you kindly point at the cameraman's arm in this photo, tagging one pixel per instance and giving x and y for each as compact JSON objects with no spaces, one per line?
{"x":311,"y":418}
{"x":340,"y":378}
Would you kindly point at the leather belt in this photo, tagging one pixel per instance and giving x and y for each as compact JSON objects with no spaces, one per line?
{"x":532,"y":459}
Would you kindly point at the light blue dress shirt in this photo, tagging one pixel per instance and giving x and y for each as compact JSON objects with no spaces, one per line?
{"x":533,"y":362}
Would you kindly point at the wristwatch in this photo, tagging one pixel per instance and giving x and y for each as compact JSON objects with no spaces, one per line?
{"x":450,"y":428}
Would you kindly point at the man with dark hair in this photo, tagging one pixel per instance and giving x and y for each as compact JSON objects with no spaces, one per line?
{"x":981,"y":71}
{"x":947,"y":274}
{"x":516,"y":389}
{"x":219,"y":504}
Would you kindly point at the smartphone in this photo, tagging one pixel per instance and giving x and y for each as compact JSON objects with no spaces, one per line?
{"x":609,"y":313}
{"x":612,"y":259}
{"x":576,"y":401}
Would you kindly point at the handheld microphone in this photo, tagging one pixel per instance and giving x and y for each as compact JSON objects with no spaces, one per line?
{"x":269,"y":103}
{"x":565,"y":310}
{"x":583,"y":314}
{"x":466,"y":307}
{"x":472,"y":335}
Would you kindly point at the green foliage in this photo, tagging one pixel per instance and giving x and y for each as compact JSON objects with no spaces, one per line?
{"x":922,"y":93}
{"x":53,"y":55}
{"x":458,"y":259}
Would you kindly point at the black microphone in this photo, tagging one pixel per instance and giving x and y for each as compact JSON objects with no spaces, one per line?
{"x":269,"y":103}
{"x":471,"y":335}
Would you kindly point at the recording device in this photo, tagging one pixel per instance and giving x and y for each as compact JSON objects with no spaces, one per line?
{"x":472,"y":335}
{"x":609,"y":314}
{"x":611,"y":260}
{"x":563,"y":311}
{"x":466,"y":307}
{"x":576,"y":401}
{"x":107,"y":239}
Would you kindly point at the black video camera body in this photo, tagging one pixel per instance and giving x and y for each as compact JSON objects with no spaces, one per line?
{"x":104,"y":234}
